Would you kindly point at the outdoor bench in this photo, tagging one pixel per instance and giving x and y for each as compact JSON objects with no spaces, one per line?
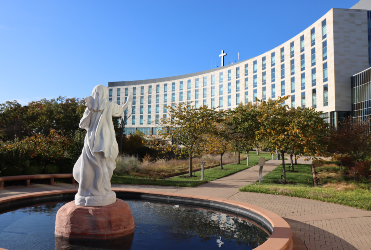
{"x":28,"y":178}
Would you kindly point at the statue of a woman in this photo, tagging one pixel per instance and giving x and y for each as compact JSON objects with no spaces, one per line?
{"x":94,"y":168}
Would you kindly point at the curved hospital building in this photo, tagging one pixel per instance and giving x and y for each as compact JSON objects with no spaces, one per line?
{"x":326,"y":66}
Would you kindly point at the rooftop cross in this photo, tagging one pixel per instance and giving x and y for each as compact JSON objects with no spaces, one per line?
{"x":222,"y":56}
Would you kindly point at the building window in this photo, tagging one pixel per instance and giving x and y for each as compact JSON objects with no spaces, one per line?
{"x":110,"y":93}
{"x":118,"y":100}
{"x":134,"y":100}
{"x":291,"y":49}
{"x":229,"y":75}
{"x":246,"y":83}
{"x":264,"y":63}
{"x":164,"y":117}
{"x":302,"y":43}
{"x":313,"y":77}
{"x":157,"y":98}
{"x":172,"y":86}
{"x":188,"y":95}
{"x":229,"y":100}
{"x":273,"y":90}
{"x":292,"y":67}
{"x":325,"y":75}
{"x":264,"y":93}
{"x":325,"y":95}
{"x":324,"y":29}
{"x":255,"y":68}
{"x":273,"y":59}
{"x":255,"y":81}
{"x":212,"y":103}
{"x":181,"y":85}
{"x":134,"y":90}
{"x":302,"y":81}
{"x":264,"y":76}
{"x":141,"y":109}
{"x":165,"y":98}
{"x":282,"y":54}
{"x":197,"y":104}
{"x":237,"y":72}
{"x":246,"y":69}
{"x":273,"y":74}
{"x":133,"y":109}
{"x":237,"y":85}
{"x":212,"y":91}
{"x":205,"y":92}
{"x":221,"y":102}
{"x":142,"y":100}
{"x":132,"y":119}
{"x":302,"y":62}
{"x":237,"y":98}
{"x":118,"y":92}
{"x":197,"y":83}
{"x":149,"y":120}
{"x":324,"y":50}
{"x":126,"y":91}
{"x":126,"y":99}
{"x":292,"y":84}
{"x":205,"y":81}
{"x":157,"y":88}
{"x":157,"y":118}
{"x":142,"y":90}
{"x":293,"y":101}
{"x":314,"y":98}
{"x":313,"y":57}
{"x":189,"y":84}
{"x":221,"y":89}
{"x":180,"y":96}
{"x":282,"y":71}
{"x":229,"y":88}
{"x":282,"y":88}
{"x":196,"y":94}
{"x":165,"y":87}
{"x":255,"y":94}
{"x":205,"y":102}
{"x":312,"y":37}
{"x":212,"y":79}
{"x":220,"y":77}
{"x":165,"y":109}
{"x":246,"y":97}
{"x":172,"y":97}
{"x":149,"y":99}
{"x":303,"y":100}
{"x":149,"y":109}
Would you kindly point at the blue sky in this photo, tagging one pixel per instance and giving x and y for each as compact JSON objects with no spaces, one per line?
{"x":65,"y":48}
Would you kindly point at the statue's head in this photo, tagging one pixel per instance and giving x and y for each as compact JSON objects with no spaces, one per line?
{"x":100,"y":95}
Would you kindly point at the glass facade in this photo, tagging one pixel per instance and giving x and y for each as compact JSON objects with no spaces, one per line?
{"x":314,"y":98}
{"x":361,"y":95}
{"x":221,"y":102}
{"x":237,"y":98}
{"x":264,"y":62}
{"x":246,"y":69}
{"x":237,"y":85}
{"x":229,"y":75}
{"x":292,"y":51}
{"x":313,"y":53}
{"x":325,"y":74}
{"x":303,"y":99}
{"x":302,"y":62}
{"x":312,"y":37}
{"x":302,"y":43}
{"x":282,"y":54}
{"x":213,"y":79}
{"x":282,"y":71}
{"x":325,"y":95}
{"x":273,"y":59}
{"x":324,"y":50}
{"x":282,"y":88}
{"x":264,"y":90}
{"x":246,"y":97}
{"x":273,"y":90}
{"x":246,"y":83}
{"x":264,"y":76}
{"x":292,"y":84}
{"x":292,"y":67}
{"x":255,"y":66}
{"x":302,"y":81}
{"x":273,"y":74}
{"x":221,"y":89}
{"x":324,"y":29}
{"x":237,"y":72}
{"x":220,"y":77}
{"x":314,"y":77}
{"x":255,"y":81}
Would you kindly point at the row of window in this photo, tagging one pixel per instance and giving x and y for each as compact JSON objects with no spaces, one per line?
{"x":238,"y":101}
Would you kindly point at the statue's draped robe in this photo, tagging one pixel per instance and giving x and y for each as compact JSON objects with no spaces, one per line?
{"x":94,"y":168}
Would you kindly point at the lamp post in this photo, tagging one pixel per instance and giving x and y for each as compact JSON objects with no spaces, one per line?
{"x":202,"y":169}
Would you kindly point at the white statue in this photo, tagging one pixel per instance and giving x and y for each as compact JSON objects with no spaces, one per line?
{"x":94,"y":168}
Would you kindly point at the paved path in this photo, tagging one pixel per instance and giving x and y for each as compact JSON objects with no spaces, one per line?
{"x":319,"y":225}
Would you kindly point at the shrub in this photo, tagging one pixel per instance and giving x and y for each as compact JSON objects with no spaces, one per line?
{"x":363,"y":169}
{"x":32,"y":170}
{"x":51,"y":169}
{"x":348,"y":161}
{"x":126,"y":164}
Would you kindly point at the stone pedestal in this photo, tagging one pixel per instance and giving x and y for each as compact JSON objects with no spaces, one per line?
{"x":107,"y":222}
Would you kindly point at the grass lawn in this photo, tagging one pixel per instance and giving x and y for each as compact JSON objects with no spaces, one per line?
{"x":182,"y":181}
{"x":351,"y":194}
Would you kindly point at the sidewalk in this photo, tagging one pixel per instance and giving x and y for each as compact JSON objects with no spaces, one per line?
{"x":319,"y":225}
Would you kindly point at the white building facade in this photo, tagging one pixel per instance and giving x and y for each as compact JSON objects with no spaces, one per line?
{"x":314,"y":68}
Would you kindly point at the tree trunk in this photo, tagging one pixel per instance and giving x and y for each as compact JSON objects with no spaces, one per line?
{"x":190,"y":165}
{"x":296,"y":160}
{"x":221,"y":161}
{"x":355,"y":171}
{"x":283,"y":168}
{"x":292,"y":163}
{"x":239,"y":160}
{"x":257,"y":151}
{"x":341,"y":162}
{"x":314,"y":174}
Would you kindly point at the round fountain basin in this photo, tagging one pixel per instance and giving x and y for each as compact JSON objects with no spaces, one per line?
{"x":162,"y":221}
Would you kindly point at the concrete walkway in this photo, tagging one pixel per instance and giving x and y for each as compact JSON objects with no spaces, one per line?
{"x":319,"y":225}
